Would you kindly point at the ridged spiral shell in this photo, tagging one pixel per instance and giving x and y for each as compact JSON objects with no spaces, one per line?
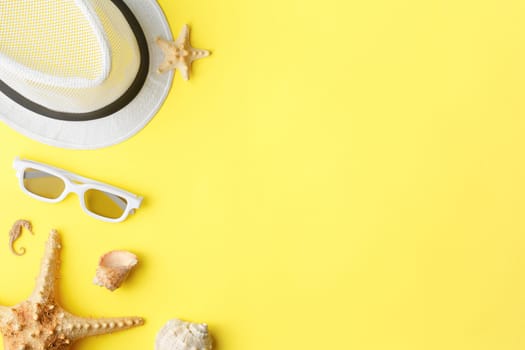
{"x":113,"y":269}
{"x":180,"y":335}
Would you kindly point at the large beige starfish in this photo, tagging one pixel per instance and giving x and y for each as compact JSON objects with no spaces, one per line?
{"x":179,"y":54}
{"x":40,"y":323}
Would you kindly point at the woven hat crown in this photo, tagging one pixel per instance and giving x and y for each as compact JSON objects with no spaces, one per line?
{"x":69,"y":55}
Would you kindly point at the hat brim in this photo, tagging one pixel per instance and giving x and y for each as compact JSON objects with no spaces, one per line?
{"x":113,"y":128}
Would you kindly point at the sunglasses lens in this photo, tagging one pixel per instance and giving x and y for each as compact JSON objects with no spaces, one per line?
{"x":105,"y":204}
{"x":43,"y":184}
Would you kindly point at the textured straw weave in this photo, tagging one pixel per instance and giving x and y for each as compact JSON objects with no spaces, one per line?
{"x":59,"y":43}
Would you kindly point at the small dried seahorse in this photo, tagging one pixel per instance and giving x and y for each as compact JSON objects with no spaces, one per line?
{"x":16,"y":231}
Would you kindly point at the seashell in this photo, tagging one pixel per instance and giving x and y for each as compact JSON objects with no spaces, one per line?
{"x":113,"y":268}
{"x":180,"y":335}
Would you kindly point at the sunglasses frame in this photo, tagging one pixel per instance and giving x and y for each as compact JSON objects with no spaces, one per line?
{"x":76,"y":184}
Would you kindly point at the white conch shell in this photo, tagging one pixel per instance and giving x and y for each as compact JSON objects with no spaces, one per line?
{"x":113,"y":268}
{"x":180,"y":335}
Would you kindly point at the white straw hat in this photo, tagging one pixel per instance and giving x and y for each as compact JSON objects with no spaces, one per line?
{"x":81,"y":73}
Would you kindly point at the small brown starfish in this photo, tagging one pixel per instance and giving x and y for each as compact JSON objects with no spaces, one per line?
{"x":180,"y":54}
{"x":40,"y":323}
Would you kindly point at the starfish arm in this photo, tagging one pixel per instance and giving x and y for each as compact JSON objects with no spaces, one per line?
{"x":185,"y":72}
{"x":165,"y":66}
{"x":80,"y":327}
{"x":5,"y":314}
{"x":164,"y":44}
{"x":46,"y":281}
{"x":199,"y":53}
{"x":184,"y":35}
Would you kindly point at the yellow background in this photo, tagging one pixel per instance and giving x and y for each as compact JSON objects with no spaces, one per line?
{"x":337,"y":175}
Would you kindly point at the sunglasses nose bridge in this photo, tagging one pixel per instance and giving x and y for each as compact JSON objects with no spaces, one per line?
{"x":79,"y":189}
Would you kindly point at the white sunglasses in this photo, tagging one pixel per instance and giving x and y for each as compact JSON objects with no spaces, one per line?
{"x":52,"y":185}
